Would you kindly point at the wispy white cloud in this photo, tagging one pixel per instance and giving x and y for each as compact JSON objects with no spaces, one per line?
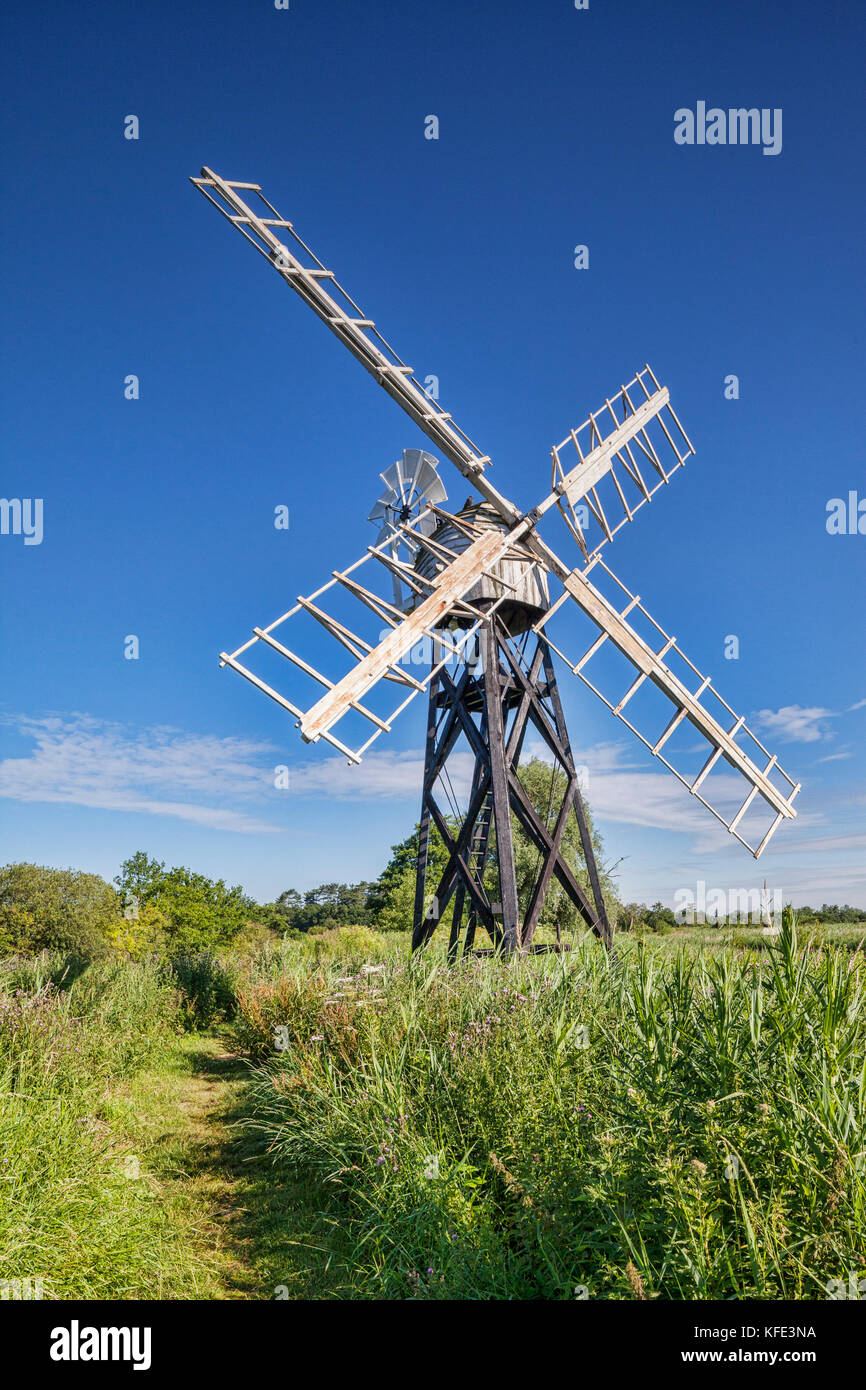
{"x":835,"y":757}
{"x":382,"y":774}
{"x":227,"y":784}
{"x":796,"y":723}
{"x":79,"y":760}
{"x":801,"y":723}
{"x":833,"y":842}
{"x":617,"y":787}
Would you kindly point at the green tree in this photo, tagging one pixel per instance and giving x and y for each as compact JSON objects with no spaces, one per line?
{"x":319,"y":909}
{"x":197,"y":912}
{"x":631,"y":915}
{"x":545,"y":787}
{"x":393,"y":896}
{"x":659,"y":918}
{"x":43,"y":908}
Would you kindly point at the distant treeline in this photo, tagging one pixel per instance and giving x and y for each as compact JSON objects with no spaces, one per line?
{"x":658,"y":918}
{"x":329,"y":905}
{"x":825,"y":913}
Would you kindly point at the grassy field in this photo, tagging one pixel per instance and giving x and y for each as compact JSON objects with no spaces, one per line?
{"x":330,"y":1120}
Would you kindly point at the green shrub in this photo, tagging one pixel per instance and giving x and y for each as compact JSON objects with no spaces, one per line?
{"x":55,"y":909}
{"x":351,"y":943}
{"x":293,"y":991}
{"x":208,"y":984}
{"x":193,"y":912}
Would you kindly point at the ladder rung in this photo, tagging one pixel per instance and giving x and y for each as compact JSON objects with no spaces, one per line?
{"x":680,"y":716}
{"x":313,"y":273}
{"x":588,"y":655}
{"x":772,"y":830}
{"x":263,"y":221}
{"x":642,"y":677}
{"x":599,"y":641}
{"x":706,"y":769}
{"x":317,"y":676}
{"x":632,"y":690}
{"x":209,"y":183}
{"x":743,"y":809}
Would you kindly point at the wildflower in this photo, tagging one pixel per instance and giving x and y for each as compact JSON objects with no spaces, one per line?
{"x":699,"y":1167}
{"x":317,"y":1037}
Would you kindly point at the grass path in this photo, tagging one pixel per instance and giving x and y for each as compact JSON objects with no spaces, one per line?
{"x":253,"y":1233}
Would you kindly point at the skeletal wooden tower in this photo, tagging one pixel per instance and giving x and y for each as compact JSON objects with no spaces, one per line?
{"x":477,"y":586}
{"x":504,"y":685}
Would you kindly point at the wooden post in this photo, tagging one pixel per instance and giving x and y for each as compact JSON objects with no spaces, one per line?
{"x":424,"y":823}
{"x":577,"y":800}
{"x":499,"y":781}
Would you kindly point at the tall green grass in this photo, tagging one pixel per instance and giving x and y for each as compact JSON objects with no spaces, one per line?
{"x":76,"y":1210}
{"x":672,"y":1126}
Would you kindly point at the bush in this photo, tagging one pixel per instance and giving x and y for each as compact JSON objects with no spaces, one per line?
{"x":208,"y":985}
{"x":354,"y":943}
{"x":55,"y":909}
{"x":293,"y":1001}
{"x":291,"y":989}
{"x":195,"y":913}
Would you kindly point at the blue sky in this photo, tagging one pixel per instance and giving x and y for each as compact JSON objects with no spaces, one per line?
{"x":556,"y":128}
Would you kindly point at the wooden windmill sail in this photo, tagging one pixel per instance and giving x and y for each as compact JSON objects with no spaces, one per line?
{"x":488,"y":596}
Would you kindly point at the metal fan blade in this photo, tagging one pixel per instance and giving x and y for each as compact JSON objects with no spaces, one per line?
{"x":411,"y":482}
{"x":413,"y":462}
{"x":429,"y":484}
{"x":393,"y":478}
{"x":383,"y":507}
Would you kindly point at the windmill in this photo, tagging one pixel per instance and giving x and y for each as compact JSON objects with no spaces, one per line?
{"x":481,"y":588}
